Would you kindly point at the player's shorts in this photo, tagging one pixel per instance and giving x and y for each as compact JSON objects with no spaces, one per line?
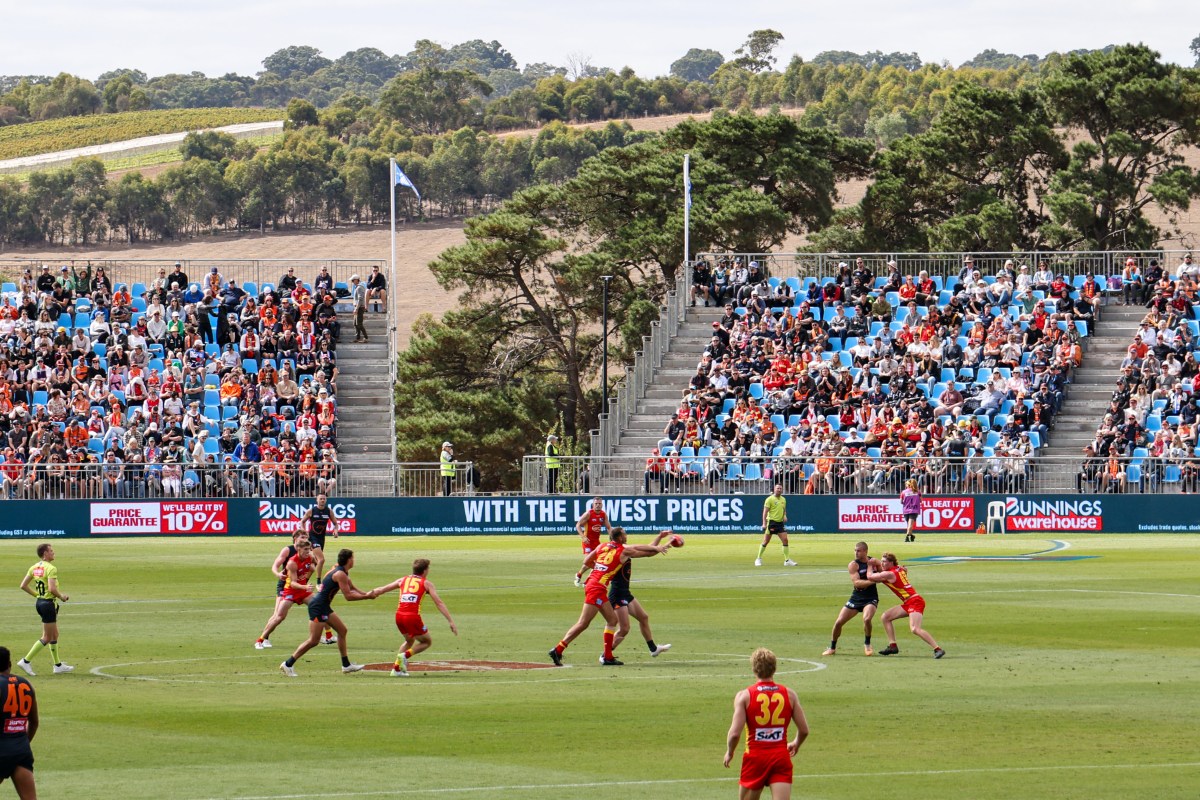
{"x":318,"y":540}
{"x":855,"y":604}
{"x":914,"y":605}
{"x":619,"y":596}
{"x":589,"y":546}
{"x":761,"y":768}
{"x":411,"y":625}
{"x":47,"y":610}
{"x":9,"y":762}
{"x":911,"y":517}
{"x":595,"y":595}
{"x":320,"y":612}
{"x":775,"y":527}
{"x":299,"y":598}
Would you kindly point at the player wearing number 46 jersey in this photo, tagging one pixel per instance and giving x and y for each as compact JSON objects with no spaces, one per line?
{"x":413,"y":589}
{"x":18,"y":725}
{"x":41,"y":581}
{"x":765,"y":710}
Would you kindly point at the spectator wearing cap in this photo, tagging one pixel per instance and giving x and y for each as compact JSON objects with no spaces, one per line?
{"x":358,"y":296}
{"x":446,"y":459}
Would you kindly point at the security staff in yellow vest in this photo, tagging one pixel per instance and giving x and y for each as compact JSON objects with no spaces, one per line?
{"x":447,"y":468}
{"x":552,"y":464}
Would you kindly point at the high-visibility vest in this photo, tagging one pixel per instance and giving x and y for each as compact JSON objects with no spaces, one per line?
{"x":551,"y":456}
{"x":447,"y":465}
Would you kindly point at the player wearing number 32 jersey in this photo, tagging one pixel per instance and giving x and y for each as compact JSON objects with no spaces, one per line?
{"x":413,"y":589}
{"x":765,"y":710}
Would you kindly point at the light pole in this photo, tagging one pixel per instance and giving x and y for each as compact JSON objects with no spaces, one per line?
{"x":604,"y":347}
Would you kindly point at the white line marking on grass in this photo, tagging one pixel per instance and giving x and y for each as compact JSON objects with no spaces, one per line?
{"x":102,"y":671}
{"x":674,"y":781}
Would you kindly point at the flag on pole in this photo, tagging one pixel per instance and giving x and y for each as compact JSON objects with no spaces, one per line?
{"x":687,"y":183}
{"x":400,"y":179}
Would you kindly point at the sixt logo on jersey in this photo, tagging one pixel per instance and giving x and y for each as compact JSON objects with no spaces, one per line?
{"x":285,"y":517}
{"x":1053,"y":515}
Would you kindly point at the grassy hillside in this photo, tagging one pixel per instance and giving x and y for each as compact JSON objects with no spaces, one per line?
{"x":50,"y":136}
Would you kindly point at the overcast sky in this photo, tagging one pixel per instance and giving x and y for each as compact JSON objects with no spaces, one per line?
{"x":87,"y":38}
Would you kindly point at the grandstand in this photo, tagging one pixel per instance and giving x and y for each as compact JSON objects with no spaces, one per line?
{"x":848,"y":374}
{"x":190,"y":379}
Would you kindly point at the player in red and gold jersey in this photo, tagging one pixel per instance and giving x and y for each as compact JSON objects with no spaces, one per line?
{"x":764,"y":710}
{"x":605,"y":561}
{"x":589,"y":526}
{"x":413,"y":589}
{"x":912,"y":605}
{"x":295,"y":589}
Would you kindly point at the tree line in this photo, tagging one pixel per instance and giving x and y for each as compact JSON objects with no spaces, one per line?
{"x":308,"y":179}
{"x":519,"y":357}
{"x":874,"y":94}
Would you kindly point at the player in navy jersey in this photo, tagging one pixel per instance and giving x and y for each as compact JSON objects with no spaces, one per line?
{"x":320,"y":613}
{"x":18,"y":726}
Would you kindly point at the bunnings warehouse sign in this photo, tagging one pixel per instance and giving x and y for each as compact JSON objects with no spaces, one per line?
{"x":438,"y":516}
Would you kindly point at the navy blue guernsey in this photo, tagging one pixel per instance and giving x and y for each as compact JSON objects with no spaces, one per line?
{"x":870,"y":594}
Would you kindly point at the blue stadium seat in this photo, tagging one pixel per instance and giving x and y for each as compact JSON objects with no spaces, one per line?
{"x":212,"y":397}
{"x":752,"y":472}
{"x":250,"y":366}
{"x":250,"y":288}
{"x":40,"y":398}
{"x":734,"y":472}
{"x":756,"y":390}
{"x":138,"y":290}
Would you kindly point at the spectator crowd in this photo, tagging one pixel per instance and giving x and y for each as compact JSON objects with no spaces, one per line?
{"x":180,"y":386}
{"x":856,"y":382}
{"x":1147,"y":437}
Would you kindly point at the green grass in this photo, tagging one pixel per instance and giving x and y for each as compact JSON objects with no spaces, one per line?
{"x":1071,"y":679}
{"x":68,"y":133}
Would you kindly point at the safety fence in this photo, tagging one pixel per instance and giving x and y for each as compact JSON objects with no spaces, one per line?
{"x":948,"y":265}
{"x":986,"y":471}
{"x":113,"y":479}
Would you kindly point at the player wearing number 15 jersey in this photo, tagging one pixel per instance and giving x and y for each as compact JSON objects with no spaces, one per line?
{"x":413,"y":589}
{"x":764,"y":710}
{"x":18,"y":725}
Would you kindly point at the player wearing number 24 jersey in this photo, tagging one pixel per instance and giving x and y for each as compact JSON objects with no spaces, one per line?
{"x":413,"y":589}
{"x":764,"y":711}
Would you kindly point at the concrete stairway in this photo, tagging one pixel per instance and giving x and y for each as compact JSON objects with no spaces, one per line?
{"x":679,"y":365}
{"x":365,"y":435}
{"x":1090,"y":391}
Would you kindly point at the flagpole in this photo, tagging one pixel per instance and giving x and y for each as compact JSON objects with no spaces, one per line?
{"x":687,"y":208}
{"x":392,"y":183}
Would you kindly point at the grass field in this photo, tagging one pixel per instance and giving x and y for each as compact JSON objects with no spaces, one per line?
{"x":68,"y":133}
{"x":1063,"y":679}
